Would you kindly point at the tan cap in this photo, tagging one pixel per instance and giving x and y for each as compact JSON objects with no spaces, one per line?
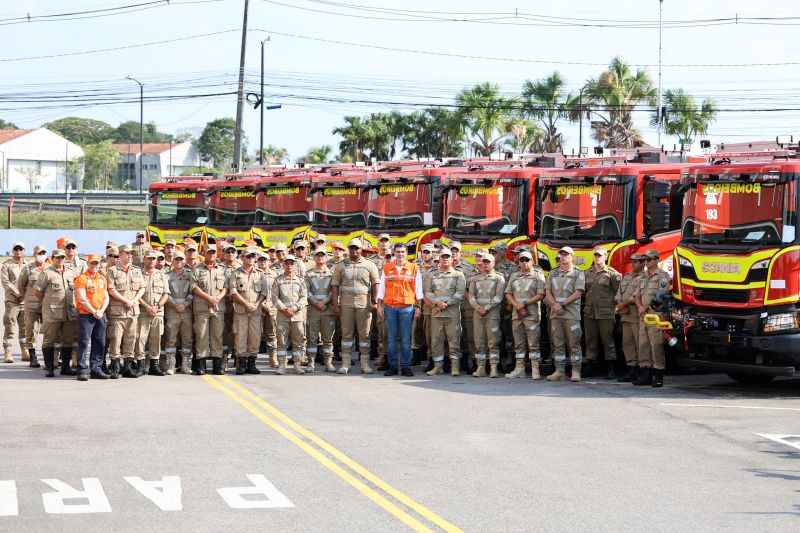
{"x":384,"y":236}
{"x":526,"y":255}
{"x":436,"y":256}
{"x":456,"y":245}
{"x":111,"y":243}
{"x":263,"y":255}
{"x":59,"y":253}
{"x":18,"y":243}
{"x":280,"y":247}
{"x":150,"y":254}
{"x":160,"y":254}
{"x":653,"y":254}
{"x":251,"y":250}
{"x":446,"y":252}
{"x":140,"y":232}
{"x":602,"y":250}
{"x":178,"y":254}
{"x":354,"y":242}
{"x":271,"y":246}
{"x":487,"y":258}
{"x":67,"y":242}
{"x":428,"y":247}
{"x":124,"y":248}
{"x":170,"y":242}
{"x":321,"y":250}
{"x":112,"y":250}
{"x":39,"y":248}
{"x":300,"y":244}
{"x":500,"y":247}
{"x":320,"y":237}
{"x":228,"y":246}
{"x":191,"y":246}
{"x":209,"y":248}
{"x":566,"y":250}
{"x":338,"y":244}
{"x":289,"y":257}
{"x":638,"y":257}
{"x":481,"y":251}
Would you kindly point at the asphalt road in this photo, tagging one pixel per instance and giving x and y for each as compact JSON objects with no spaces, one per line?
{"x":356,"y":453}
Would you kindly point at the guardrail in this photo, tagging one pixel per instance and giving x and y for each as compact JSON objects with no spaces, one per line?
{"x":74,"y":196}
{"x":107,"y":208}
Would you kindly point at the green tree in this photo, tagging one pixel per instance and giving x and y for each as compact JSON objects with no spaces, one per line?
{"x":612,"y":97}
{"x":100,"y":162}
{"x":354,"y":136}
{"x":4,"y":125}
{"x":216,"y":142}
{"x":129,"y":132}
{"x":317,"y":154}
{"x":433,"y":132}
{"x":524,"y":136}
{"x":545,"y":100}
{"x":485,"y":114}
{"x":82,"y":131}
{"x":274,"y":155}
{"x":683,"y":117}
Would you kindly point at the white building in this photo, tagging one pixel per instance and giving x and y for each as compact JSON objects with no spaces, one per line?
{"x":159,"y":161}
{"x":35,"y":160}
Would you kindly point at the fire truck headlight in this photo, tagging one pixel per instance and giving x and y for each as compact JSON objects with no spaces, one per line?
{"x":760,"y":264}
{"x":683,"y":261}
{"x":412,"y":246}
{"x":779,"y":322}
{"x":543,"y":256}
{"x":154,"y":237}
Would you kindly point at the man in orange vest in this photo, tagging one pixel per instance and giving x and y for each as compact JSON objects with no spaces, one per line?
{"x":399,"y":302}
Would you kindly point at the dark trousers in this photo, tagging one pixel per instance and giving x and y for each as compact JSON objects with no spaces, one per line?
{"x":94,"y":330}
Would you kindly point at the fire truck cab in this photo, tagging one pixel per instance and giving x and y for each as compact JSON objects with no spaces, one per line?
{"x":338,"y":205}
{"x":177,"y":207}
{"x":231,"y":208}
{"x":283,"y":212}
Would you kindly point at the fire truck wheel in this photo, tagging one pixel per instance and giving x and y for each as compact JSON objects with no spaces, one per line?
{"x":750,"y":379}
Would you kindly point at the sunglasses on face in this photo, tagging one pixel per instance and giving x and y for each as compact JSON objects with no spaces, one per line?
{"x":178,"y":259}
{"x":42,"y":253}
{"x":426,"y":251}
{"x":353,"y":248}
{"x":251,"y":256}
{"x":71,"y":247}
{"x":114,"y":256}
{"x":18,"y":249}
{"x":230,"y":251}
{"x":524,"y":260}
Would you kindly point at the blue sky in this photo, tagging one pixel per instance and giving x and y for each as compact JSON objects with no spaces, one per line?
{"x":318,"y":80}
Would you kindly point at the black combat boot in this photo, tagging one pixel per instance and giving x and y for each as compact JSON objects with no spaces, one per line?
{"x":645,"y":377}
{"x":251,"y":366}
{"x":155,"y":369}
{"x":216,"y":363}
{"x":611,"y":370}
{"x":241,"y":366}
{"x":629,"y":376}
{"x":658,"y":378}
{"x":589,"y":368}
{"x":430,"y":365}
{"x":114,"y":372}
{"x":66,"y":359}
{"x":200,"y":367}
{"x":49,"y":363}
{"x":128,"y":371}
{"x":34,"y":361}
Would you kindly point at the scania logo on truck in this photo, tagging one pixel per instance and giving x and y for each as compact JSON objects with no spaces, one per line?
{"x":340,"y":191}
{"x":274,"y":191}
{"x":236,"y":194}
{"x":471,"y":190}
{"x":392,"y":189}
{"x":721,"y":268}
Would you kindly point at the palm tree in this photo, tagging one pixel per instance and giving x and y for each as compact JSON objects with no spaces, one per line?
{"x":683,"y":118}
{"x":434,"y":132}
{"x":274,"y":155}
{"x":613,"y":96}
{"x":545,"y":101}
{"x":317,"y":154}
{"x":485,"y":114}
{"x":524,"y":136}
{"x":354,"y":137}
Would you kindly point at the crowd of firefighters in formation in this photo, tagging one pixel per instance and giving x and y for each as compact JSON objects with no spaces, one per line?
{"x":157,"y":312}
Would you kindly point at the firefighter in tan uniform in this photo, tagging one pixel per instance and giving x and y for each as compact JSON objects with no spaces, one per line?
{"x":231,"y":263}
{"x":54,"y":288}
{"x":444,"y":290}
{"x":502,"y":265}
{"x":248,"y":287}
{"x":651,"y":340}
{"x":290,"y":298}
{"x":302,"y":261}
{"x":32,"y":306}
{"x":320,"y":320}
{"x":467,"y":311}
{"x":125,"y":287}
{"x":427,"y":309}
{"x":565,"y":286}
{"x":629,"y":316}
{"x":524,"y":290}
{"x":178,"y":315}
{"x":269,"y":314}
{"x":73,"y":262}
{"x":486,"y":295}
{"x":13,"y":317}
{"x":151,"y":315}
{"x":139,"y":247}
{"x":209,"y":286}
{"x":378,"y":332}
{"x":602,"y":283}
{"x":354,"y":294}
{"x":418,"y":338}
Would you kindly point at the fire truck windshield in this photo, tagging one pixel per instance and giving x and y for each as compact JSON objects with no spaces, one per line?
{"x":589,"y":211}
{"x":398,"y":205}
{"x":232,"y":208}
{"x":484,"y":210}
{"x":748,"y":213}
{"x":178,"y":208}
{"x":282,"y":205}
{"x":339,"y":207}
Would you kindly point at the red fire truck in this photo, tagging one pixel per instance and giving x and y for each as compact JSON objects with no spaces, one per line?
{"x":283,"y":208}
{"x":338,"y":202}
{"x":231,"y":208}
{"x":178,"y":206}
{"x":736,"y":292}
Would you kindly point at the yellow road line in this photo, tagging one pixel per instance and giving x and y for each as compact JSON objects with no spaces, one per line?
{"x":352,"y":464}
{"x":360,"y":486}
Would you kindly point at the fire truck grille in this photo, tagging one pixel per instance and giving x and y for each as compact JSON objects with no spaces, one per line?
{"x":733,"y":296}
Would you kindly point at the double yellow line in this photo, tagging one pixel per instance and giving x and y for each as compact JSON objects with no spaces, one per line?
{"x":292,"y":431}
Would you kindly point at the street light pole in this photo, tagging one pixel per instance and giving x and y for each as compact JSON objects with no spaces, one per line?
{"x":580,"y":119}
{"x":237,"y":132}
{"x":141,"y":129}
{"x":261,"y":143}
{"x":660,"y":11}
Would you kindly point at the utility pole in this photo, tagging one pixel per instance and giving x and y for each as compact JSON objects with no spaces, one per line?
{"x":660,"y":11}
{"x":237,"y":135}
{"x":261,"y":142}
{"x":141,"y":129}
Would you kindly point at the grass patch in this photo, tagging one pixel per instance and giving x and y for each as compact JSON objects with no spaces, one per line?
{"x":64,"y":220}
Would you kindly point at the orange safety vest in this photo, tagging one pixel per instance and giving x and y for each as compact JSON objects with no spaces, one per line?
{"x":400,"y":284}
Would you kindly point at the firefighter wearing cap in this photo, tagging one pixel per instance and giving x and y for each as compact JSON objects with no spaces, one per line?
{"x":424,"y":261}
{"x":91,"y":301}
{"x":651,"y":340}
{"x":486,"y":298}
{"x":300,"y":251}
{"x":178,"y":316}
{"x":125,"y":286}
{"x":281,"y":250}
{"x":467,"y":312}
{"x":629,"y":316}
{"x":151,"y":316}
{"x":170,"y":247}
{"x":209,"y":287}
{"x":269,"y":318}
{"x":72,"y":261}
{"x":524,"y":290}
{"x":230,"y":262}
{"x":384,"y":246}
{"x":13,"y":316}
{"x":602,"y":282}
{"x":190,"y":251}
{"x":427,"y":308}
{"x":290,"y":298}
{"x":320,"y":321}
{"x":564,"y":288}
{"x":55,"y":288}
{"x":354,"y":295}
{"x":378,"y":330}
{"x":444,"y":290}
{"x":32,"y":306}
{"x":249,"y":288}
{"x":112,"y":255}
{"x":507,"y":268}
{"x":138,"y":248}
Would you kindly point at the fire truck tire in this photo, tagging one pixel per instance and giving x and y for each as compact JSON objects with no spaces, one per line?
{"x":750,"y":379}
